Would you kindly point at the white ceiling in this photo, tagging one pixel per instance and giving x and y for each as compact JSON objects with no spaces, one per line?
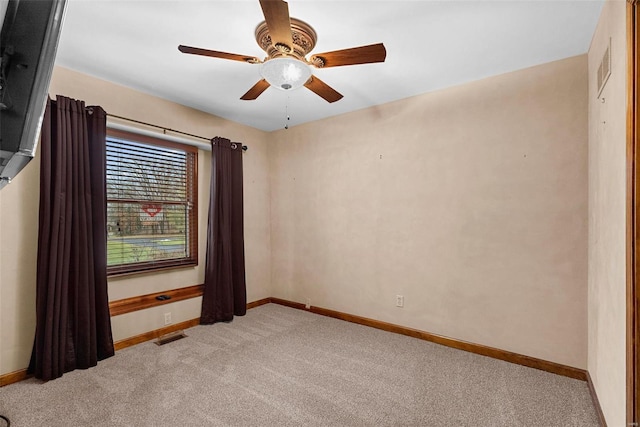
{"x":430,"y":45}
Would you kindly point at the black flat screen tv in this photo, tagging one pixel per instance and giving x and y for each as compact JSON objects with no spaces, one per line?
{"x":28,"y":44}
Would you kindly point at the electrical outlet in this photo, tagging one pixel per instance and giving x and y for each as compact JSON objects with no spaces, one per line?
{"x":399,"y":301}
{"x":167,"y":318}
{"x":308,"y":304}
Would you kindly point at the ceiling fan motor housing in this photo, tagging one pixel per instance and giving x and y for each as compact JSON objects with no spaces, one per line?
{"x":303,"y":35}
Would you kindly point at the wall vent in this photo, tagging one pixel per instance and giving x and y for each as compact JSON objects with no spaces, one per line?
{"x":604,"y":70}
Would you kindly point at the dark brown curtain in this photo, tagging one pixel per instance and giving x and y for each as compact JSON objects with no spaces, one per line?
{"x":225,"y":293}
{"x":73,"y":326}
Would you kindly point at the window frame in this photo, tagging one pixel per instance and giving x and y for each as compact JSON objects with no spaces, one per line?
{"x":192,"y":242}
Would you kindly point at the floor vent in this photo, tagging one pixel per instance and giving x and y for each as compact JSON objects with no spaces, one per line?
{"x":604,"y":70}
{"x":171,"y":337}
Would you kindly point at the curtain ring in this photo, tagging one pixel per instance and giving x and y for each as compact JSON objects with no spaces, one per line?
{"x":234,"y":145}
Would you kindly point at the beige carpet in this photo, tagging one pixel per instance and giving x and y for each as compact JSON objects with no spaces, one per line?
{"x":283,"y":367}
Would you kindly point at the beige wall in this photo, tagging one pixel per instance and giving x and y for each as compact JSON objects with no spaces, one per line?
{"x":18,"y":241}
{"x":607,"y":289}
{"x":19,"y":213}
{"x":470,"y":201}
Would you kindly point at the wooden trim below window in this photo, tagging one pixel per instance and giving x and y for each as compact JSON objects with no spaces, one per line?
{"x":142,"y":302}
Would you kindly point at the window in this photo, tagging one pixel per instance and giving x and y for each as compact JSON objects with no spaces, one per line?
{"x":151,"y":204}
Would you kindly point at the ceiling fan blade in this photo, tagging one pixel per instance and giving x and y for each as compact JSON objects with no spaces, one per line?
{"x":356,"y":55}
{"x":256,"y":90}
{"x":216,"y":54}
{"x":276,"y":14}
{"x":322,"y":89}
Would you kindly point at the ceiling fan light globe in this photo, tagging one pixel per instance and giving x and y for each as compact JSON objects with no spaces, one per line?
{"x":285,"y":73}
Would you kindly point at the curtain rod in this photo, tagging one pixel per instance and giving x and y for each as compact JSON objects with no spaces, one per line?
{"x":165,"y":130}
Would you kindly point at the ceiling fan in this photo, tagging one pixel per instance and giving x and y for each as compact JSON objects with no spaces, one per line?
{"x":287,"y":41}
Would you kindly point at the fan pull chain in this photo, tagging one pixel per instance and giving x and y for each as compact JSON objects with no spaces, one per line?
{"x":286,"y":110}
